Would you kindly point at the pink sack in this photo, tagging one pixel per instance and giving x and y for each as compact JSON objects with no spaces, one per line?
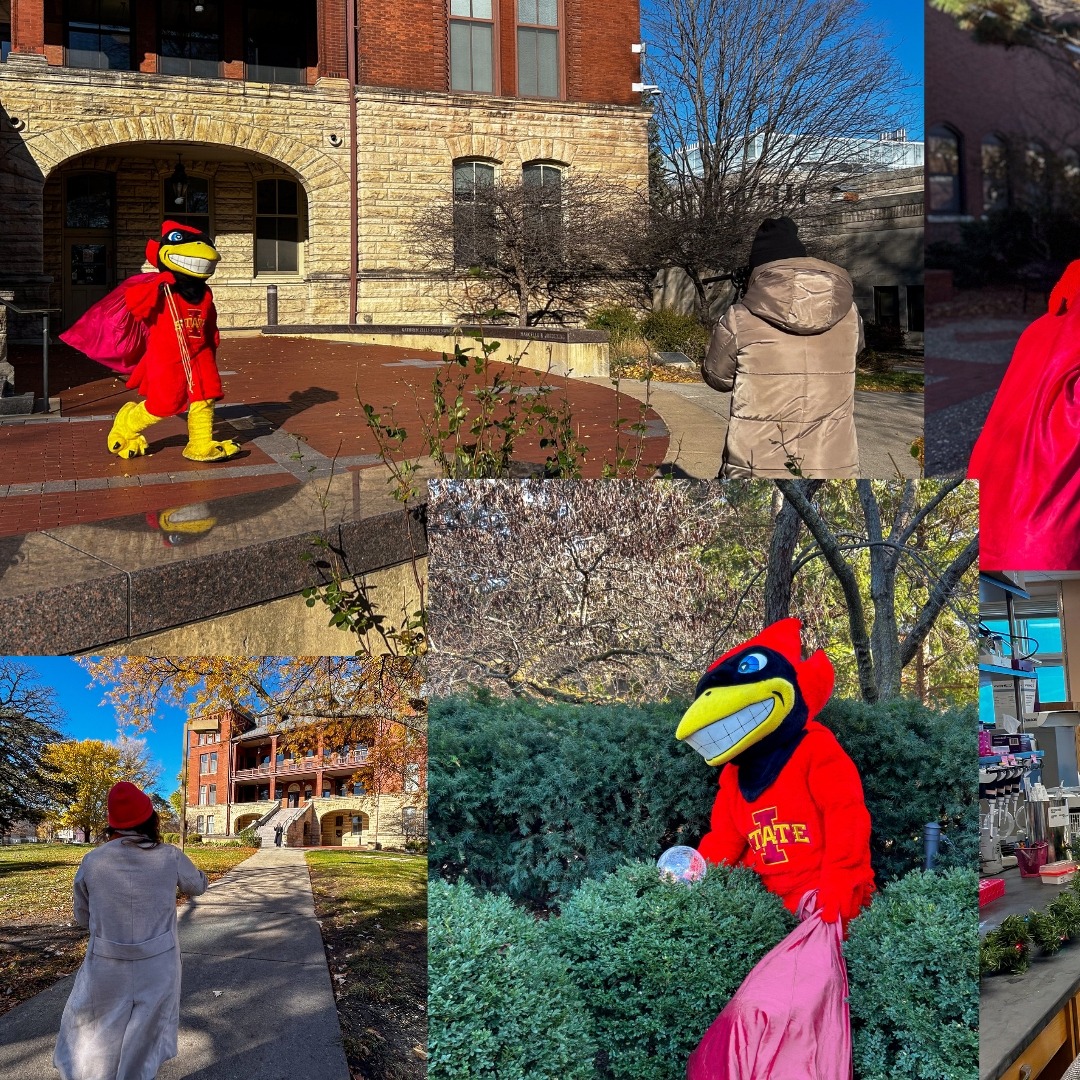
{"x":789,"y":1020}
{"x":108,"y":332}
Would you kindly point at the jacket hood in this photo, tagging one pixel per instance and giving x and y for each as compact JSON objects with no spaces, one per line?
{"x":801,"y":296}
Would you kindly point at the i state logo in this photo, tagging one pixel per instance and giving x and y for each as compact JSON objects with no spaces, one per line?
{"x":769,"y":836}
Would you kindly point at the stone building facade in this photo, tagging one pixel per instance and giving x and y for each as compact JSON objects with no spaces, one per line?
{"x":237,"y":778}
{"x":294,"y":149}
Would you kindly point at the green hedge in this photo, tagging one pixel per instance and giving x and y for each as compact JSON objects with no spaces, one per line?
{"x":916,"y":766}
{"x":249,"y":837}
{"x":532,"y":800}
{"x":656,"y":961}
{"x":502,"y":1004}
{"x":668,"y":331}
{"x":913,"y":965}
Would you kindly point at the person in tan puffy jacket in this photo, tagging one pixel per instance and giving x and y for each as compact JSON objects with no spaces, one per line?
{"x":786,"y":353}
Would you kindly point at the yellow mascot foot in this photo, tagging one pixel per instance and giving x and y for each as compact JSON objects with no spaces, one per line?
{"x":124,"y":438}
{"x":201,"y":445}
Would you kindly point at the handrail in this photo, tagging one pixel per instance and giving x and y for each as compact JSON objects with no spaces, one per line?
{"x":44,"y":313}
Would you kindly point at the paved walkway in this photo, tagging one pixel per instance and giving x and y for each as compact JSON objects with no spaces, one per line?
{"x":696,"y":417}
{"x":256,"y":998}
{"x":293,"y":405}
{"x":965,"y":363}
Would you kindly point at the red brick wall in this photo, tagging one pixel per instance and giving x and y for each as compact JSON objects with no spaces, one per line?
{"x":404,"y":45}
{"x":220,"y":776}
{"x":978,"y":90}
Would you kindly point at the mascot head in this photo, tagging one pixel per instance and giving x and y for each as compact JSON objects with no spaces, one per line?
{"x":183,"y":250}
{"x":752,"y":705}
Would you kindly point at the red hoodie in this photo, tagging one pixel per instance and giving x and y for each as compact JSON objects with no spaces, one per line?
{"x":809,"y":829}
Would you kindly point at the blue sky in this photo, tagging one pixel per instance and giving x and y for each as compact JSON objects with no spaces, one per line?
{"x":88,"y":718}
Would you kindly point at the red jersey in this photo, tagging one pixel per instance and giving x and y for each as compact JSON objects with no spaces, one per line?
{"x":160,"y":375}
{"x":809,"y":829}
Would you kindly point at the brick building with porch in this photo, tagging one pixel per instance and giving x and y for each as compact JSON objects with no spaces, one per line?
{"x":304,"y":136}
{"x":238,"y":777}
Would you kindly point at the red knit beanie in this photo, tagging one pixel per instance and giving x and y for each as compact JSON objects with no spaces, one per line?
{"x":128,"y":806}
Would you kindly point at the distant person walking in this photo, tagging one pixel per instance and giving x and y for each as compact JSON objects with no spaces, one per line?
{"x":121,"y":1019}
{"x":786,"y":354}
{"x":278,"y":830}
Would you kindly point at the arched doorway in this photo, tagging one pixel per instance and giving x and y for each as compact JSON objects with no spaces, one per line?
{"x":244,"y":820}
{"x":343,"y":827}
{"x":293,"y":795}
{"x":88,"y":244}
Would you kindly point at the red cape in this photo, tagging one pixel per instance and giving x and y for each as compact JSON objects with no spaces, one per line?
{"x":1027,"y":459}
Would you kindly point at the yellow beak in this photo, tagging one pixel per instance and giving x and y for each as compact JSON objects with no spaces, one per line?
{"x":725,"y":720}
{"x":194,"y":258}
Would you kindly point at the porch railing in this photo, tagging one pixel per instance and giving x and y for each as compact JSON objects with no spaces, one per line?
{"x":305,"y":765}
{"x":44,"y":312}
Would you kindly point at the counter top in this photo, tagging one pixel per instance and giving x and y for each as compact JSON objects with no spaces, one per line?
{"x":1013,"y":1009}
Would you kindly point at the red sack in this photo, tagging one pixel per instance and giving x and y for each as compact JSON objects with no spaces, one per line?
{"x":789,"y":1019}
{"x":108,"y":332}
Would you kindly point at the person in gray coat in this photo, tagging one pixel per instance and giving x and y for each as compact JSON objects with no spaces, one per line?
{"x":121,"y":1019}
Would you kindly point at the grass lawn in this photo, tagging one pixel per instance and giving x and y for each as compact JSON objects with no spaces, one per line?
{"x":897,"y":382}
{"x":372,"y":906}
{"x":38,"y":941}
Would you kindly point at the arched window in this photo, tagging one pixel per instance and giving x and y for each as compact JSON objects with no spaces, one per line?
{"x":995,"y":174}
{"x":474,"y":213}
{"x":1037,"y":179}
{"x":943,"y":173}
{"x":191,"y":206}
{"x":543,"y":187}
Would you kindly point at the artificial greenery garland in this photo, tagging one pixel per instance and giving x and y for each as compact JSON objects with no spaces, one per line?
{"x":1008,"y":948}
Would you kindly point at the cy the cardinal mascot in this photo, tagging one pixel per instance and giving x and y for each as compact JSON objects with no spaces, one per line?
{"x":160,"y":329}
{"x":1027,"y":459}
{"x":790,"y":804}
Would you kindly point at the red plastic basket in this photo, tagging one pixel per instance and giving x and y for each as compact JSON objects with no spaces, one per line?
{"x":1030,"y":859}
{"x":990,"y":889}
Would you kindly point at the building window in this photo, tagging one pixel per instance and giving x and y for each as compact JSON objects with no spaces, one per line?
{"x":209,"y":826}
{"x":1037,"y":183}
{"x":358,"y":788}
{"x":190,"y":38}
{"x":307,"y":793}
{"x":544,"y":184}
{"x":356,"y":827}
{"x":474,"y":213}
{"x":213,"y":763}
{"x":472,"y":46}
{"x":199,"y":823}
{"x":203,"y":764}
{"x":203,"y":800}
{"x":343,"y":788}
{"x":995,"y":172}
{"x":943,"y":177}
{"x":915,"y":308}
{"x":277,"y":227}
{"x":409,"y":821}
{"x":276,"y":41}
{"x":538,"y":48}
{"x":212,"y":794}
{"x":193,"y":208}
{"x":887,"y":305}
{"x":412,"y":778}
{"x":326,"y":792}
{"x":98,"y":34}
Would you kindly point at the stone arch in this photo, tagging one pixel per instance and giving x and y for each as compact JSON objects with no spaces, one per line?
{"x":243,"y":821}
{"x":486,"y":147}
{"x":64,"y":143}
{"x":333,"y":834}
{"x":556,"y":151}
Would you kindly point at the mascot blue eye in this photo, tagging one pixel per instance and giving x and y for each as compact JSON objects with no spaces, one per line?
{"x":175,"y":237}
{"x":754,"y":662}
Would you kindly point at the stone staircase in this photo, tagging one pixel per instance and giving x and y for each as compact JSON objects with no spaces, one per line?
{"x":280,"y":815}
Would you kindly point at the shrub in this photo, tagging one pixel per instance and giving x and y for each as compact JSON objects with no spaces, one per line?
{"x":916,"y":767}
{"x":194,"y":838}
{"x":668,"y":331}
{"x":250,"y":838}
{"x":883,"y":337}
{"x":171,"y":837}
{"x":502,"y":1004}
{"x":531,"y":800}
{"x":913,"y":967}
{"x":615,"y":319}
{"x":416,"y":846}
{"x":657,"y":961}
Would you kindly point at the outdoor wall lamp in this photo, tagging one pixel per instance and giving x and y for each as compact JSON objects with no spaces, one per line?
{"x":179,"y":183}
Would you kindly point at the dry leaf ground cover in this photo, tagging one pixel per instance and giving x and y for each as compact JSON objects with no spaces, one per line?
{"x":38,"y":941}
{"x":372,"y":907}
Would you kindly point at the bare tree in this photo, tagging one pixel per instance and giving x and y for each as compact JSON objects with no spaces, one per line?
{"x":759,"y":108}
{"x":1053,"y":28}
{"x":541,"y":250}
{"x":577,"y":592}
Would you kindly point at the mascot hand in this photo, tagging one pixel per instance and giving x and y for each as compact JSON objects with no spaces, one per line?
{"x":141,"y":297}
{"x":843,"y":897}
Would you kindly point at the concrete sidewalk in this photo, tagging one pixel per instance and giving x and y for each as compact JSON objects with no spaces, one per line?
{"x":696,"y":417}
{"x":256,"y":998}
